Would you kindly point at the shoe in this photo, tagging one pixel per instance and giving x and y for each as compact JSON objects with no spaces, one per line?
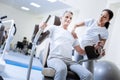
{"x":48,"y":72}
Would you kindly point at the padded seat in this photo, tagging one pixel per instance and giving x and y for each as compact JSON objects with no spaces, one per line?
{"x":50,"y":72}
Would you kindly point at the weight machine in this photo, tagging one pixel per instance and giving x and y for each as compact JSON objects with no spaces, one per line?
{"x":11,"y":33}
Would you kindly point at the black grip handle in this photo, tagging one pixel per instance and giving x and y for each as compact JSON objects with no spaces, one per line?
{"x":48,"y":18}
{"x":99,"y":37}
{"x":3,"y":17}
{"x":15,"y":29}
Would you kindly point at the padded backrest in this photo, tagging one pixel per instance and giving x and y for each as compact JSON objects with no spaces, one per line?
{"x":36,"y":28}
{"x":15,"y":29}
{"x":1,"y":33}
{"x":91,"y":52}
{"x":45,"y":55}
{"x":57,"y":21}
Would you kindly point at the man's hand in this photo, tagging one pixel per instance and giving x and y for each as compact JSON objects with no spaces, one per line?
{"x":74,"y":35}
{"x":43,"y":25}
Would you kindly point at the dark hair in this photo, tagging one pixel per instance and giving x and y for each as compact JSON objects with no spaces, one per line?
{"x":107,"y":25}
{"x":25,"y":37}
{"x":110,"y":12}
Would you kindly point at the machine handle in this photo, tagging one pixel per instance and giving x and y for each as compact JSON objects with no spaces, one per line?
{"x":3,"y":17}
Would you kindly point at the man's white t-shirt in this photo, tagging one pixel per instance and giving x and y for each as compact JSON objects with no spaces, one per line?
{"x":61,"y":43}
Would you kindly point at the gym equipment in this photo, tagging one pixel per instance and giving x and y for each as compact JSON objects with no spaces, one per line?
{"x":2,"y":28}
{"x":35,"y":40}
{"x":56,"y":22}
{"x":106,"y":70}
{"x":12,"y":32}
{"x":92,"y":53}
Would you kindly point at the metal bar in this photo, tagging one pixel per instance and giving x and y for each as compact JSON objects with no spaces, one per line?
{"x":33,"y":49}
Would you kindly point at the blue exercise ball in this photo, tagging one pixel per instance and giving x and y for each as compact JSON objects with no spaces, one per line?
{"x":106,"y":70}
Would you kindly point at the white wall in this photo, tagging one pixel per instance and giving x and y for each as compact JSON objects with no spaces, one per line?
{"x":113,"y":44}
{"x":24,"y":22}
{"x":113,"y":53}
{"x":87,"y":8}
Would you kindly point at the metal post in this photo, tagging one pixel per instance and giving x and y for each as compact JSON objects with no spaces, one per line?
{"x":32,"y":53}
{"x":33,"y":49}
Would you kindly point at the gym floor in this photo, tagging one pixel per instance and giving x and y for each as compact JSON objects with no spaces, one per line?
{"x":17,"y":67}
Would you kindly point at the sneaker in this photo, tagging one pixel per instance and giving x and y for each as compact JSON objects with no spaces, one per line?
{"x":48,"y":72}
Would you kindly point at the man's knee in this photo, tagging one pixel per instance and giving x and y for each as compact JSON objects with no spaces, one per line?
{"x":62,"y":70}
{"x":87,"y":76}
{"x":61,"y":74}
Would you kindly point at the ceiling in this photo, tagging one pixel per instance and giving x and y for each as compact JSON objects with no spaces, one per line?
{"x":46,"y":6}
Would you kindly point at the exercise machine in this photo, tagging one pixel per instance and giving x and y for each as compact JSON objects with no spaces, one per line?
{"x":11,"y":33}
{"x":35,"y":40}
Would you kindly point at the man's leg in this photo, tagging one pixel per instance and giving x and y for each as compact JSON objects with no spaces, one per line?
{"x":60,"y":68}
{"x":82,"y":72}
